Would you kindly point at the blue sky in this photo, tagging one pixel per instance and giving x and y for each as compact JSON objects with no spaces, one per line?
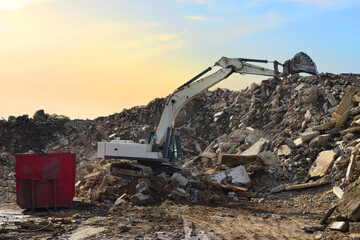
{"x":104,"y":55}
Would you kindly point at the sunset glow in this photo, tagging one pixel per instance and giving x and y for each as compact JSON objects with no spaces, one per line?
{"x":90,"y":58}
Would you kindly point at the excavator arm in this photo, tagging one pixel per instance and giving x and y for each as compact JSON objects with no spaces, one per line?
{"x":194,"y":87}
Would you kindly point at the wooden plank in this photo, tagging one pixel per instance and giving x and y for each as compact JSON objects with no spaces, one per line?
{"x":234,"y":188}
{"x":345,"y":103}
{"x":350,"y":169}
{"x":343,"y":117}
{"x":307,"y":185}
{"x":237,"y":160}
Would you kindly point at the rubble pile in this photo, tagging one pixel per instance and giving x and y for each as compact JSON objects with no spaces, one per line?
{"x":7,"y":176}
{"x":288,"y":126}
{"x":108,"y":182}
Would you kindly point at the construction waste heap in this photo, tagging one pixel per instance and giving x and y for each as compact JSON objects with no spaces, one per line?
{"x":270,"y":142}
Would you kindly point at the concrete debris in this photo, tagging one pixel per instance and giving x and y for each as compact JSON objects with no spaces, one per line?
{"x":338,"y":192}
{"x":284,"y":150}
{"x":256,"y":148}
{"x":339,"y":226}
{"x":235,"y":176}
{"x":307,"y":136}
{"x":182,"y":181}
{"x":268,"y":158}
{"x":321,"y":140}
{"x":322,"y":163}
{"x":313,"y":227}
{"x":140,"y":199}
{"x":274,"y":136}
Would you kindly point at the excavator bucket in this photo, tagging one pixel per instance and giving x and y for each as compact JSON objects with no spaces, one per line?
{"x":301,"y":62}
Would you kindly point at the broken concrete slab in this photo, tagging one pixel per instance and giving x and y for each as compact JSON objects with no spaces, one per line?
{"x":307,"y":136}
{"x":142,"y":187}
{"x":140,"y":199}
{"x":298,"y":141}
{"x":284,"y":150}
{"x":255,"y":135}
{"x":331,"y":98}
{"x":256,"y":148}
{"x":338,"y":192}
{"x":313,"y":227}
{"x":179,"y":179}
{"x":236,"y":176}
{"x":208,"y":154}
{"x":320,"y":140}
{"x":268,"y":158}
{"x":325,"y":126}
{"x":339,"y":226}
{"x":322,"y":163}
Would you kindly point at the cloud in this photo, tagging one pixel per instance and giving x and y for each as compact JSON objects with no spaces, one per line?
{"x":199,"y":18}
{"x":194,"y":1}
{"x":17,"y":4}
{"x":266,"y":22}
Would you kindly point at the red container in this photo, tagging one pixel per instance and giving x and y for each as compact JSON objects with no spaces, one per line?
{"x":46,"y":180}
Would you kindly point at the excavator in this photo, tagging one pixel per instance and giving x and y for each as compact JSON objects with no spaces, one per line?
{"x":163,"y":145}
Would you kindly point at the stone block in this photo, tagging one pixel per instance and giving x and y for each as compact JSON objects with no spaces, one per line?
{"x":307,"y":136}
{"x":339,"y":226}
{"x":179,"y":179}
{"x":338,"y":192}
{"x":268,"y":158}
{"x":322,"y":163}
{"x":140,"y":199}
{"x":284,"y":150}
{"x":256,"y":148}
{"x":320,"y":140}
{"x":142,"y":187}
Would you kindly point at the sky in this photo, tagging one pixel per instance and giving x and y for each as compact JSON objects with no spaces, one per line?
{"x":91,"y":58}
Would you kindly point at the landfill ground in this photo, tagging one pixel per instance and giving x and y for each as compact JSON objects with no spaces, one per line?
{"x":281,"y":218}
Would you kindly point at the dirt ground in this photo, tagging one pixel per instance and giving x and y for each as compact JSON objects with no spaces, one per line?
{"x":278,"y":216}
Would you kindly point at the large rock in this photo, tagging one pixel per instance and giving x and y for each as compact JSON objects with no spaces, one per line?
{"x":320,"y":140}
{"x":268,"y":158}
{"x":284,"y":150}
{"x":236,"y":176}
{"x":180,"y":179}
{"x":142,"y":187}
{"x":140,"y":199}
{"x":322,"y":163}
{"x":349,"y":205}
{"x":256,"y":148}
{"x":307,"y":136}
